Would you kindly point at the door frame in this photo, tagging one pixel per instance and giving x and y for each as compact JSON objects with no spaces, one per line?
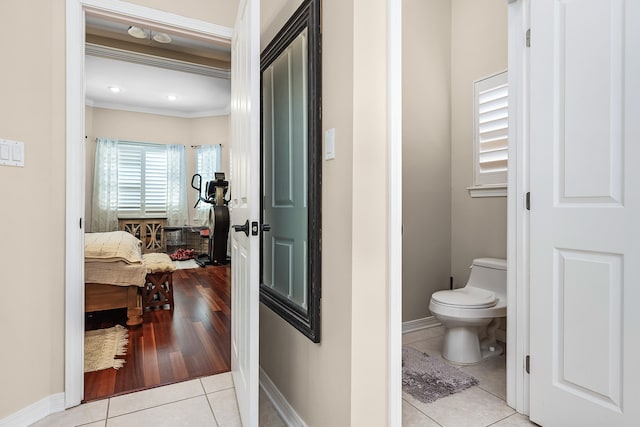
{"x":75,"y":158}
{"x":517,"y":214}
{"x":394,"y":211}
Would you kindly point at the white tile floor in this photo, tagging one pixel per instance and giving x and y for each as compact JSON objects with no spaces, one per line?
{"x":211,"y":401}
{"x":479,"y":406}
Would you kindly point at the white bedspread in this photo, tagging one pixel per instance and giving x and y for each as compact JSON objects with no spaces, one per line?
{"x":113,"y":258}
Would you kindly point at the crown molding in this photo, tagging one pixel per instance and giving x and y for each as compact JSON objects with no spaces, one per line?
{"x":158,"y":111}
{"x":155,"y":61}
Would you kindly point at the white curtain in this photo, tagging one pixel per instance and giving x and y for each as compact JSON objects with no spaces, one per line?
{"x":105,"y":186}
{"x":177,"y":213}
{"x":207,"y":164}
{"x":104,"y":215}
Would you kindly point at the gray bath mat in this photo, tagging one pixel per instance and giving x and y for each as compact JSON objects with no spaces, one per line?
{"x":428,"y":378}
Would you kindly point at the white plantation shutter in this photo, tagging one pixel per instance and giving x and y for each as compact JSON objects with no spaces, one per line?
{"x":491,"y":129}
{"x":155,"y":182}
{"x":129,"y":179}
{"x":142,"y":180}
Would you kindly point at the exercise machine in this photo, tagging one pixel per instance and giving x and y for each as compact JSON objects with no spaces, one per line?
{"x":215,"y":195}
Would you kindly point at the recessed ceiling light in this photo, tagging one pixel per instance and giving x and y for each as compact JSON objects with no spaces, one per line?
{"x":114,"y":89}
{"x":172,"y":97}
{"x":137,"y":32}
{"x":162,"y":38}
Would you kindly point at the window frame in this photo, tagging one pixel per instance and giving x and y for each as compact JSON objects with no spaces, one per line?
{"x":144,"y":148}
{"x":488,"y":184}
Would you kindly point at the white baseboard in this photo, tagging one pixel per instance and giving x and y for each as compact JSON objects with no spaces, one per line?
{"x":286,"y":411}
{"x":35,"y":412}
{"x":417,"y":324}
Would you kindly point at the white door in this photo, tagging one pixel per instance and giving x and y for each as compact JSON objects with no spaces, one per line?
{"x":245,"y":205}
{"x":585,"y":212}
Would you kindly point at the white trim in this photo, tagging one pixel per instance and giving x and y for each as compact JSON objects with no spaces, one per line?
{"x":159,"y":111}
{"x":284,"y":409}
{"x":394,"y":209}
{"x":517,"y":216}
{"x":74,"y":246}
{"x":146,"y":16}
{"x":155,"y":61}
{"x":418,"y":324}
{"x":35,"y":412}
{"x":499,"y":190}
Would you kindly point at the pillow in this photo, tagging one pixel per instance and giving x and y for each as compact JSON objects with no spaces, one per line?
{"x":112,"y":246}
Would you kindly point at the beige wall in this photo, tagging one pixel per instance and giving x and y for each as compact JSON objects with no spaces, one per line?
{"x":33,"y":198}
{"x":447,"y":45}
{"x":426,"y":159}
{"x":221,"y":12}
{"x":32,"y":239}
{"x":478,"y":49}
{"x":143,"y":127}
{"x":315,"y":378}
{"x":370,"y":312}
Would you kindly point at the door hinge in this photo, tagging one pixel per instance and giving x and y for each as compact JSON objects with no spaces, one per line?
{"x":528,"y":38}
{"x":526,"y":364}
{"x":527,"y":201}
{"x":80,"y":223}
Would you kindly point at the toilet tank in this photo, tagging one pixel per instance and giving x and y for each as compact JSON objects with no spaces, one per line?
{"x":489,"y":274}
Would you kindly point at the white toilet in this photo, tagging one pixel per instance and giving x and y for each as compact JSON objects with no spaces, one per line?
{"x":466,"y":312}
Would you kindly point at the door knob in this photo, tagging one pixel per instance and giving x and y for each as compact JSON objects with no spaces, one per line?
{"x":244,"y":227}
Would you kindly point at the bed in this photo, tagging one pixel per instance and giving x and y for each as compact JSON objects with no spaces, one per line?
{"x":114,"y":273}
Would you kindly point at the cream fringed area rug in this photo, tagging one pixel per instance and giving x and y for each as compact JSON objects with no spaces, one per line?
{"x":102,"y":346}
{"x":428,"y":378}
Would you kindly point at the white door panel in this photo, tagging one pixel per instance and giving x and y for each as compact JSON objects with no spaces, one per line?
{"x":585,"y":207}
{"x":245,"y":205}
{"x":285,"y":176}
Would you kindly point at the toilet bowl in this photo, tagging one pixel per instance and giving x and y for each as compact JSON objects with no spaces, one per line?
{"x":468,"y":312}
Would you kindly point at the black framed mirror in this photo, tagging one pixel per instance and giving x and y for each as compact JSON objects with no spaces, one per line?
{"x":291,"y":168}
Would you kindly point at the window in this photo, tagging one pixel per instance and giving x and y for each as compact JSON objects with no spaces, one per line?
{"x":491,"y":133}
{"x":138,"y":180}
{"x":142,"y":180}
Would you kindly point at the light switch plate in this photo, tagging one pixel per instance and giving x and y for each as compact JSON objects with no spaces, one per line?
{"x":11,"y":153}
{"x":4,"y":152}
{"x":330,"y":144}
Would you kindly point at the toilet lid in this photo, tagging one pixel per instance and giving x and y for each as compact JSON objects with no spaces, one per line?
{"x":467,"y":297}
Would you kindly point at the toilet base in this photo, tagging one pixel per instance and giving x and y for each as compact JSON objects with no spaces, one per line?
{"x":462,"y":346}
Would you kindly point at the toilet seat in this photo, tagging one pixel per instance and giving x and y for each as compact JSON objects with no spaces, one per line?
{"x":467,"y":297}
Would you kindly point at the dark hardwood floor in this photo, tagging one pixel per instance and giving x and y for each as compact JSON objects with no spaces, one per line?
{"x":191,"y":342}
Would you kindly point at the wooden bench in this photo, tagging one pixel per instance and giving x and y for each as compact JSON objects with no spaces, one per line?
{"x":158,"y":289}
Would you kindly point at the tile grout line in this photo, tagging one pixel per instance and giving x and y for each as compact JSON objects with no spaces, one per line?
{"x":106,"y":419}
{"x":418,"y":409}
{"x":157,"y":406}
{"x":492,"y":393}
{"x":204,"y":393}
{"x":213,"y":414}
{"x":500,"y":420}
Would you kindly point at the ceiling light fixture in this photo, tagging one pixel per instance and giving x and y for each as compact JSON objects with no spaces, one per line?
{"x":172,"y":97}
{"x":137,"y":32}
{"x":162,"y":38}
{"x":114,"y":89}
{"x":141,"y":33}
